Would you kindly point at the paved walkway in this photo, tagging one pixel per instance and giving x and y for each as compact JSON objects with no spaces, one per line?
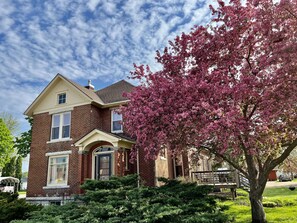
{"x":281,"y":184}
{"x":22,"y":195}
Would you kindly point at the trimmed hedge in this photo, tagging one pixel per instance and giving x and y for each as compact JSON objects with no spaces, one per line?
{"x":119,"y":200}
{"x":13,"y":208}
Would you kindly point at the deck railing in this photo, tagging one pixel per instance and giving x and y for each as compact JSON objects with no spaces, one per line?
{"x":219,"y":177}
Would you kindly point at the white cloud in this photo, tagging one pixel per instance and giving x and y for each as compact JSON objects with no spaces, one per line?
{"x":92,"y":4}
{"x":97,"y":39}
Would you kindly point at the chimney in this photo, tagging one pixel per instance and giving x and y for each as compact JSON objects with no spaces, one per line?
{"x":90,"y":86}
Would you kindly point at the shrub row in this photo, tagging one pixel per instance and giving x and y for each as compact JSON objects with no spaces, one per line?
{"x":119,"y":200}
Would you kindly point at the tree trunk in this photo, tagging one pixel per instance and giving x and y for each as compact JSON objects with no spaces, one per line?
{"x":258,"y":214}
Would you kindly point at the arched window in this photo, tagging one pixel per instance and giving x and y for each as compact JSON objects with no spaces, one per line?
{"x":103,"y":162}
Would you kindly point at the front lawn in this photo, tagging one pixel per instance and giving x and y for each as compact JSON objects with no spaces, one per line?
{"x":280,"y":206}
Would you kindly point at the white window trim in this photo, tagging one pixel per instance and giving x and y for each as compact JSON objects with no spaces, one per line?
{"x":66,"y":152}
{"x":60,"y":127}
{"x":58,"y":95}
{"x":59,"y":140}
{"x":115,"y":131}
{"x":48,"y":173}
{"x":56,"y":187}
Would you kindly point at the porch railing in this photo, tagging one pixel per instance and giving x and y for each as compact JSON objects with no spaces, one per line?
{"x":219,"y":177}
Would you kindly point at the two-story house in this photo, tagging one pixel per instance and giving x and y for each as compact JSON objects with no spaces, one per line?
{"x":77,"y":134}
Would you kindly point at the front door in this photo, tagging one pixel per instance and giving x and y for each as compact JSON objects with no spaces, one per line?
{"x":102,"y":166}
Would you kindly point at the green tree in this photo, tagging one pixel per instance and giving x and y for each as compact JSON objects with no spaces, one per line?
{"x":25,"y":174}
{"x":6,"y":144}
{"x":23,"y":143}
{"x":9,"y":168}
{"x":18,"y":168}
{"x":11,"y":122}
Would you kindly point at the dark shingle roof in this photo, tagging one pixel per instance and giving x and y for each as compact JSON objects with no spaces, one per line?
{"x":90,"y":93}
{"x":114,"y":92}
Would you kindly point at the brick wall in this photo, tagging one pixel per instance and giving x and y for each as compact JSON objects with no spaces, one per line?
{"x":83,"y":119}
{"x":106,"y":120}
{"x":146,"y":169}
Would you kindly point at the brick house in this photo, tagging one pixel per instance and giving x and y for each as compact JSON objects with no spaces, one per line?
{"x":77,"y":135}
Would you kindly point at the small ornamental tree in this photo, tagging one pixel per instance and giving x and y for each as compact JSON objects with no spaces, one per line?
{"x":229,"y":87}
{"x":6,"y":144}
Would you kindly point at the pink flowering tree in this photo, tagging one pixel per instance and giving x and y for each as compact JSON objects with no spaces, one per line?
{"x":229,"y":87}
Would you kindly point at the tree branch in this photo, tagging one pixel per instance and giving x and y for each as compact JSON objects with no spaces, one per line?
{"x":248,"y":58}
{"x":291,"y":13}
{"x":215,"y":152}
{"x":284,"y":155}
{"x":253,"y":111}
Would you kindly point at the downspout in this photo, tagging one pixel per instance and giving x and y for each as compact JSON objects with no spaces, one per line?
{"x":182,"y":160}
{"x":138,"y":178}
{"x":174,"y":168}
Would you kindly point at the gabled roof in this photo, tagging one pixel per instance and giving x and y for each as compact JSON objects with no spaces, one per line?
{"x":114,"y":92}
{"x":88,"y":92}
{"x":107,"y":96}
{"x":98,"y":135}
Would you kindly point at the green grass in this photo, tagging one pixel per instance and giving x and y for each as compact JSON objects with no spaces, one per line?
{"x":22,"y":192}
{"x":282,"y":200}
{"x":279,"y":192}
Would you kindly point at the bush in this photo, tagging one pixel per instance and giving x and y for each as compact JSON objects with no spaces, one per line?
{"x":269,"y":204}
{"x":119,"y":200}
{"x":14,"y":208}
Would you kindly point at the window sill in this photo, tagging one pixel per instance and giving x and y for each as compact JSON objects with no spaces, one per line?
{"x":56,"y":187}
{"x":59,"y":140}
{"x":163,"y":158}
{"x":119,"y":131}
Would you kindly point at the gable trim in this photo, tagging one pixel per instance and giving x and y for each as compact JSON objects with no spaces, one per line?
{"x":90,"y":138}
{"x":30,"y":110}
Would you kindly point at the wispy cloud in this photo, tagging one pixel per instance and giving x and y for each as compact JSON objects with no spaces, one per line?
{"x":93,"y":39}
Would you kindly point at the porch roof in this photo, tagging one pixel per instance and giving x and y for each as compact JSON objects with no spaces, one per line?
{"x":97,"y":135}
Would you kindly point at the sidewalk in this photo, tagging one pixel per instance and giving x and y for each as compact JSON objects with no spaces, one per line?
{"x":22,"y":196}
{"x":281,"y":184}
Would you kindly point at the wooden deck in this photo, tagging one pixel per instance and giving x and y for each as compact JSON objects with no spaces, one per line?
{"x":230,"y":179}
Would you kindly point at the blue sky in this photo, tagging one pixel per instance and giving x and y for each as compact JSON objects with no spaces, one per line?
{"x":97,"y":40}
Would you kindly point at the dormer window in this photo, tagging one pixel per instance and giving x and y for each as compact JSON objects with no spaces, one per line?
{"x":116,"y":122}
{"x":62,"y":98}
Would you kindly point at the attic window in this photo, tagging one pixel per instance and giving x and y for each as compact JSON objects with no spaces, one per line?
{"x":62,"y":98}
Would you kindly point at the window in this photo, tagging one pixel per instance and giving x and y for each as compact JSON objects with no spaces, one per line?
{"x":57,"y":171}
{"x":62,"y":98}
{"x":61,"y":126}
{"x":116,"y":121}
